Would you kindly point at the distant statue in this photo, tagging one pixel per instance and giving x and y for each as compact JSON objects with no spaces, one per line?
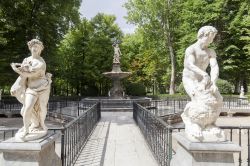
{"x":117,"y":53}
{"x":32,"y":89}
{"x":242,"y":93}
{"x":202,"y":112}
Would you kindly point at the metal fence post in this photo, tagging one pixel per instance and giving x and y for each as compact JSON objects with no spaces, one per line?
{"x":62,"y":146}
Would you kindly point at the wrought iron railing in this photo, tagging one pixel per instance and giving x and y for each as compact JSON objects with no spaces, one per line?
{"x":158,"y":135}
{"x":156,"y":132}
{"x":74,"y":134}
{"x":58,"y":107}
{"x":66,"y":110}
{"x":170,"y":106}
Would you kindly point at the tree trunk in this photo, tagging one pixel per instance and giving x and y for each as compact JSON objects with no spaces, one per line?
{"x":245,"y":85}
{"x":169,"y":43}
{"x":67,"y":89}
{"x":237,"y":86}
{"x":173,"y":67}
{"x":77,"y":88}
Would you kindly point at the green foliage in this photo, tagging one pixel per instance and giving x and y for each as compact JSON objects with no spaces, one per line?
{"x":90,"y":91}
{"x":86,"y":52}
{"x":224,"y":86}
{"x":135,"y":89}
{"x":236,"y":42}
{"x":232,"y":43}
{"x":156,"y":21}
{"x":22,"y":20}
{"x":181,"y":90}
{"x":78,"y":59}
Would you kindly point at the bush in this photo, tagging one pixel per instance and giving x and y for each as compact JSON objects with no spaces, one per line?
{"x":135,"y":89}
{"x":90,"y":91}
{"x":181,"y":90}
{"x":224,"y":86}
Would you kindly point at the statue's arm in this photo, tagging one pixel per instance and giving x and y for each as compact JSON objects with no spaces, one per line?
{"x":119,"y":51}
{"x":36,"y":67}
{"x":190,"y":63}
{"x":33,"y":71}
{"x":214,"y":73}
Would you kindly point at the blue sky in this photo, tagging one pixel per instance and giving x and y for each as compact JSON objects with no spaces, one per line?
{"x":89,"y":8}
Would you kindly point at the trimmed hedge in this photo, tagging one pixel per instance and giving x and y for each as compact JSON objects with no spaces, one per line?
{"x":224,"y":87}
{"x":135,"y":89}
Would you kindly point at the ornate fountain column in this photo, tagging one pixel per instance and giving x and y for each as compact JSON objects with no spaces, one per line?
{"x":116,"y":92}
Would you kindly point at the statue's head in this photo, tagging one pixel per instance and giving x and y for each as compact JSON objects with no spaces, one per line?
{"x":115,"y":45}
{"x":35,"y":46}
{"x":207,"y":33}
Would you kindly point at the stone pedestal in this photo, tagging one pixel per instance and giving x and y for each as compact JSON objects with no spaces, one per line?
{"x":203,"y":154}
{"x":39,"y":152}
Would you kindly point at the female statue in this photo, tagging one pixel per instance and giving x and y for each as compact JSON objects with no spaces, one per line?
{"x":32,"y":89}
{"x":117,"y":53}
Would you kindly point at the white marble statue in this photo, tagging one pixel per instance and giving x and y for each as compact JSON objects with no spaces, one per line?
{"x":117,"y":53}
{"x":202,"y":112}
{"x":32,"y":89}
{"x":242,"y":93}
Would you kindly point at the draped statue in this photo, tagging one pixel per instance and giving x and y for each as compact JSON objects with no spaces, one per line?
{"x":32,"y":89}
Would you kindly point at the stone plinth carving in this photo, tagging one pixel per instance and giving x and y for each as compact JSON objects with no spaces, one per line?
{"x":202,"y":112}
{"x":32,"y":89}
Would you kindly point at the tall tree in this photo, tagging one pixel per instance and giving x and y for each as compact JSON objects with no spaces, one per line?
{"x":87,"y":52}
{"x":235,"y":46}
{"x":22,"y":20}
{"x":156,"y":18}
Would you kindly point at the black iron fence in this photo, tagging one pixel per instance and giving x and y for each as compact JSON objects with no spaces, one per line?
{"x":236,"y":103}
{"x":66,"y":110}
{"x":58,"y":107}
{"x":158,"y":135}
{"x":169,"y":106}
{"x":156,"y":132}
{"x":108,"y":104}
{"x":74,"y":134}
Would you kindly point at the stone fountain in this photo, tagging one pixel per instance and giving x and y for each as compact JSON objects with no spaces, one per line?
{"x":116,"y":100}
{"x":116,"y":92}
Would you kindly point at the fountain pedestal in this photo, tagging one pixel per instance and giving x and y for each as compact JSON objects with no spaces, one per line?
{"x":116,"y":92}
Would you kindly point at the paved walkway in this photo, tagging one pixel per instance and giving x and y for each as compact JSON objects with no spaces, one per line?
{"x":116,"y":141}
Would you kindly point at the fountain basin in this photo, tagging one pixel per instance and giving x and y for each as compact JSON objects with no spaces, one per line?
{"x":114,"y":74}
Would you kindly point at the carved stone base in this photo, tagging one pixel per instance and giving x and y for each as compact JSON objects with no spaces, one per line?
{"x":209,"y":134}
{"x":34,"y":153}
{"x":30,"y":136}
{"x":206,"y":154}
